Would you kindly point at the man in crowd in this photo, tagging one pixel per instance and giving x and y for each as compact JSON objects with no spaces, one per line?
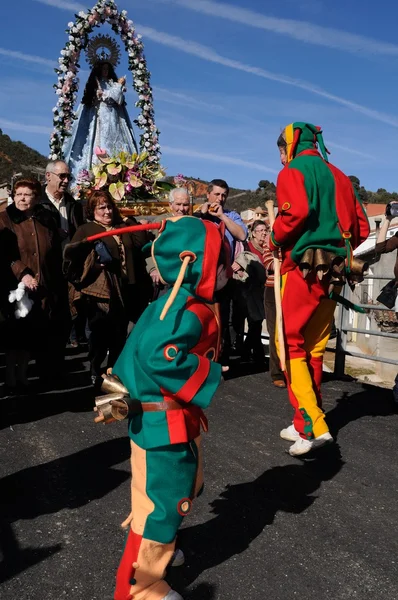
{"x":67,"y":212}
{"x":68,"y":215}
{"x":320,"y":222}
{"x":179,"y":207}
{"x":179,"y":202}
{"x":235,"y":231}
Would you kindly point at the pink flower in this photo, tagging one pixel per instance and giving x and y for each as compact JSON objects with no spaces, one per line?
{"x":100,"y":152}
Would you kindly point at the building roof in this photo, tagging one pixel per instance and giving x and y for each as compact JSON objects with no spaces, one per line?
{"x":374,"y":210}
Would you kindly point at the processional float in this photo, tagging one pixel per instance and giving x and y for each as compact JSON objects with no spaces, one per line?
{"x":133,"y":176}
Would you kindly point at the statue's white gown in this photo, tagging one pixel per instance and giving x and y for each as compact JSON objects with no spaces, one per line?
{"x":105,"y":124}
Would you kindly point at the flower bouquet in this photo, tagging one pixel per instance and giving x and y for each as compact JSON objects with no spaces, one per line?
{"x":127,"y":177}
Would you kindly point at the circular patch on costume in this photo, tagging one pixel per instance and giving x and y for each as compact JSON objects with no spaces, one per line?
{"x":184,"y":506}
{"x":133,"y":581}
{"x":170,"y":352}
{"x":346,"y":235}
{"x":136,"y":565}
{"x":191,"y":255}
{"x":210,"y":354}
{"x":286,"y":206}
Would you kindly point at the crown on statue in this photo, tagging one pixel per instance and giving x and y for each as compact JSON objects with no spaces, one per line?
{"x":103,"y":48}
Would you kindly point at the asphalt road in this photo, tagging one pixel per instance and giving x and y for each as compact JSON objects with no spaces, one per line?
{"x":267,"y":526}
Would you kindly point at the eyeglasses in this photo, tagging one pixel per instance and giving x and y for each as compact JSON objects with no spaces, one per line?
{"x":66,"y":176}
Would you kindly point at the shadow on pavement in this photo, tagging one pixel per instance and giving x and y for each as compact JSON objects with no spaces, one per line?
{"x":371,"y":401}
{"x":65,"y":483}
{"x":242,"y":511}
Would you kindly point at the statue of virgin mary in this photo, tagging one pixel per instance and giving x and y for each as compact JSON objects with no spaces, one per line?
{"x":101,"y":119}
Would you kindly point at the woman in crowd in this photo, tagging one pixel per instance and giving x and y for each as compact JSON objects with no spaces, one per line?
{"x":31,"y":255}
{"x":249,"y":275}
{"x":259,"y":246}
{"x":109,"y":276}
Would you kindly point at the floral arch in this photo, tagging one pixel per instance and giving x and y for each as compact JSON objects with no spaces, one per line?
{"x":68,"y":83}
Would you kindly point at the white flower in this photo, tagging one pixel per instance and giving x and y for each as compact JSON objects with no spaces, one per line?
{"x":71,"y":38}
{"x":58,"y":92}
{"x":79,"y":26}
{"x":63,"y":68}
{"x":70,"y":24}
{"x":124,"y":13}
{"x":146,"y":136}
{"x":54,"y":156}
{"x":130,"y":23}
{"x":55,"y":109}
{"x":82,"y":14}
{"x":147,"y":144}
{"x":147,"y":106}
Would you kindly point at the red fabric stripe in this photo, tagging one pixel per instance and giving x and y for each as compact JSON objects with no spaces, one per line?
{"x":207,"y":283}
{"x":195,"y":382}
{"x":126,"y":571}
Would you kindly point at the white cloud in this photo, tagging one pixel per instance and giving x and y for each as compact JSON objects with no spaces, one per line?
{"x":15,"y":126}
{"x":207,"y":53}
{"x":183,"y":99}
{"x":27,"y":57}
{"x":217,"y":158}
{"x":350,"y":150}
{"x":299,"y":30}
{"x":63,"y":4}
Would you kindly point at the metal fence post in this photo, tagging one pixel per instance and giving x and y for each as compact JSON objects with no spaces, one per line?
{"x":341,"y":340}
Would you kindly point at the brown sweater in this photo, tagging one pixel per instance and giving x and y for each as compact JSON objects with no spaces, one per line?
{"x":389,"y":246}
{"x":88,"y":277}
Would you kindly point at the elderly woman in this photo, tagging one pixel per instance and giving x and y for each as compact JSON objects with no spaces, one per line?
{"x":109,"y":276}
{"x":31,"y":255}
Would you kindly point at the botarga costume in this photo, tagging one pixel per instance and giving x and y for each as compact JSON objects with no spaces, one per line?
{"x":168,"y":371}
{"x":320,"y":221}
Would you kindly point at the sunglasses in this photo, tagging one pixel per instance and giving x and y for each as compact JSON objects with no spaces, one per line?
{"x":66,"y":176}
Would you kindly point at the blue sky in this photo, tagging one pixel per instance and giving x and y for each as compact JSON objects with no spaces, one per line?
{"x":227,"y":76}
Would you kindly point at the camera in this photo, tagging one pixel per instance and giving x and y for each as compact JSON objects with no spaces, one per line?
{"x":392,"y":209}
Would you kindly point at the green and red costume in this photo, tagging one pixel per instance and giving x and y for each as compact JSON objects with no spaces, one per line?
{"x":317,"y":209}
{"x":169,"y":363}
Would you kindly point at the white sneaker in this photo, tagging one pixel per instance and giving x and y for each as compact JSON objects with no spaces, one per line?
{"x":290,"y":434}
{"x":302,"y":446}
{"x":173,"y":595}
{"x":178,"y":558}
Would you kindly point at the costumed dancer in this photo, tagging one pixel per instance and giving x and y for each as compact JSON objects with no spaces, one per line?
{"x":320,"y":222}
{"x":168,"y":372}
{"x":102,"y":120}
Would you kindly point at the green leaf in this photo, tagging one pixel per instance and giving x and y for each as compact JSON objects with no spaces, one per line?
{"x":100,"y":180}
{"x":116,"y":190}
{"x":114,"y":169}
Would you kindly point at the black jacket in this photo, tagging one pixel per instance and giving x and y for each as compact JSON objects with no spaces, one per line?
{"x":74,"y":211}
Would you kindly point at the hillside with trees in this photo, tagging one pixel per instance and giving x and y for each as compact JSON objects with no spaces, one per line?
{"x":17,"y":157}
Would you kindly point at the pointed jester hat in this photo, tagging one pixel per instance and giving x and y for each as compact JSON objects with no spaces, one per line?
{"x":299,"y":136}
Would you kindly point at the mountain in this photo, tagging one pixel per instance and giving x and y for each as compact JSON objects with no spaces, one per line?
{"x":16,"y":157}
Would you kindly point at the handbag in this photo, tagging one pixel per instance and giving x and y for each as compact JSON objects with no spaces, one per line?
{"x":104,"y":256}
{"x":388,"y":294}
